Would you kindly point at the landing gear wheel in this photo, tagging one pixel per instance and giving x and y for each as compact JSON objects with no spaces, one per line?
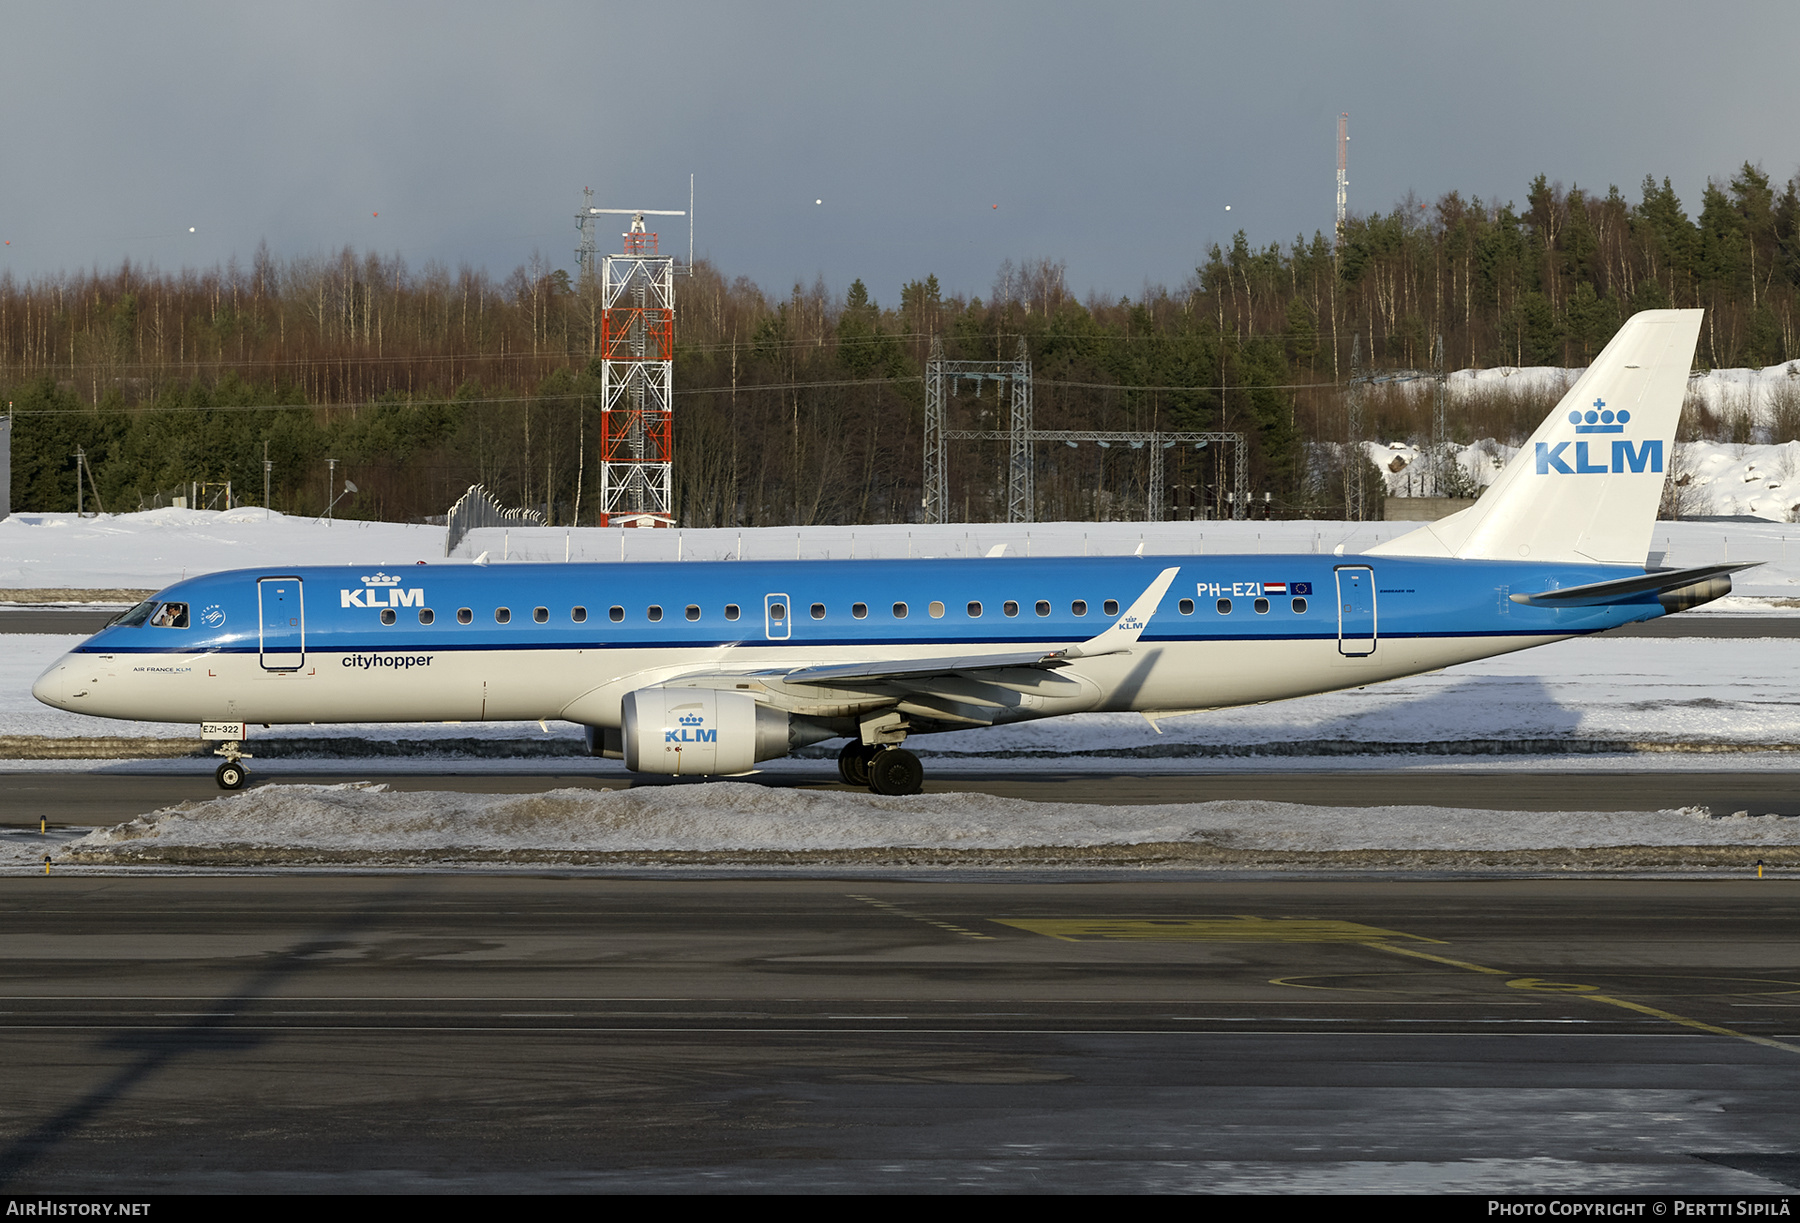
{"x":853,"y":763}
{"x":230,"y":775}
{"x":894,"y":770}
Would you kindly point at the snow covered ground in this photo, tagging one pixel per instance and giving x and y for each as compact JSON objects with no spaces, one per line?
{"x":346,"y":824}
{"x":1721,"y":479}
{"x":1721,"y":390}
{"x":153,"y":548}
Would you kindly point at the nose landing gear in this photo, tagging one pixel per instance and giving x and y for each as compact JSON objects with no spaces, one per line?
{"x":232,"y":773}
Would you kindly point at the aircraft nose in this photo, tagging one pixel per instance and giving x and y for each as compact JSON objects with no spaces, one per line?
{"x":49,"y":686}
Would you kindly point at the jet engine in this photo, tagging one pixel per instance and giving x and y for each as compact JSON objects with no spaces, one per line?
{"x":701,"y":732}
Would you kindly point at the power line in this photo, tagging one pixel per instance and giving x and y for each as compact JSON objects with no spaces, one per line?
{"x":741,"y":388}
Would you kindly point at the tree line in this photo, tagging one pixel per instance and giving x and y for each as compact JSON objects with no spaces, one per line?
{"x":807,"y":406}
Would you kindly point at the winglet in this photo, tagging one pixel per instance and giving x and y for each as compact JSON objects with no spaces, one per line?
{"x":1125,"y":631}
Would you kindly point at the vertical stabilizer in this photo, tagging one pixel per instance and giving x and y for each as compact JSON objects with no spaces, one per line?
{"x":1587,"y":485}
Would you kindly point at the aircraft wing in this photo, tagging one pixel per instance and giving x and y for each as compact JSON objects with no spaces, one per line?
{"x":1118,"y":638}
{"x":920,"y":668}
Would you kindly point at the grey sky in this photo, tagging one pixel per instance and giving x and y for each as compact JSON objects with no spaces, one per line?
{"x":1111,"y":136}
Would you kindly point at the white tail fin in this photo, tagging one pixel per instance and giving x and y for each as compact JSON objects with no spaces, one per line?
{"x":1587,"y":484}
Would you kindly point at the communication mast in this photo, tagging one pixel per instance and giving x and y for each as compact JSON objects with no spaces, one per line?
{"x":637,"y":359}
{"x":1343,"y":182}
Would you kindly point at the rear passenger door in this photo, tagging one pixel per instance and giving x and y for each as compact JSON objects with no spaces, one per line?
{"x":1356,"y":611}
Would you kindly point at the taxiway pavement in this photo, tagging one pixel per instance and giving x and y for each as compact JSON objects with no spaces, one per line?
{"x":932,"y":1032}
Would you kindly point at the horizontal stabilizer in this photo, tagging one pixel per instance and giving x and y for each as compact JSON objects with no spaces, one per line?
{"x":1619,"y":589}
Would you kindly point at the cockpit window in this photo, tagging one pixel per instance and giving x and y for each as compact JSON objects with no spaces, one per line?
{"x":170,"y":615}
{"x":136,"y":616}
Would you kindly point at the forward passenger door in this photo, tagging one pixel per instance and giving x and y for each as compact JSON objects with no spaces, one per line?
{"x":281,"y":609}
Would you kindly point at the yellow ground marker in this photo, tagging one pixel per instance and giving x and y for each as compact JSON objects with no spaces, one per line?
{"x":1250,"y":929}
{"x":897,"y":911}
{"x":1205,"y":929}
{"x":1591,"y":993}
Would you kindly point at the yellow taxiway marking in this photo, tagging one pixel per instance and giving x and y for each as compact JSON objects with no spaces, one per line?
{"x":1591,"y":993}
{"x":897,"y":911}
{"x":1205,"y":929}
{"x":1250,"y":929}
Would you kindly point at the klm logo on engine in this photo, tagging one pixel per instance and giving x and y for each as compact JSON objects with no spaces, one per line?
{"x":692,"y":730}
{"x":1624,"y":457}
{"x":381,"y":590}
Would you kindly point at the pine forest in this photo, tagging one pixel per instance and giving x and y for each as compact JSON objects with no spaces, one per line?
{"x":806,"y":407}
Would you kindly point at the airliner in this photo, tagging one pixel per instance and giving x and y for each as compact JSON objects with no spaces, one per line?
{"x":706,"y":668}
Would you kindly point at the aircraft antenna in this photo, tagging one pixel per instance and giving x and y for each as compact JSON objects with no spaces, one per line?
{"x":1343,"y":182}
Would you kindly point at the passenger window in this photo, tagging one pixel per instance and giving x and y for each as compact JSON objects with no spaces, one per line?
{"x":1010,"y":608}
{"x":778,"y":612}
{"x":1299,"y":607}
{"x":936,"y":610}
{"x":731,"y":611}
{"x":1078,"y":607}
{"x":693,"y":611}
{"x":464,"y":615}
{"x":860,"y":610}
{"x":1110,"y":607}
{"x":653,"y":613}
{"x":1187,"y":607}
{"x":974,"y":610}
{"x":899,"y":611}
{"x":1043,"y":607}
{"x":541,"y":614}
{"x":387,"y":615}
{"x":1224,"y":607}
{"x":818,"y":611}
{"x":426,"y":615}
{"x":578,"y":615}
{"x":1262,"y":607}
{"x":615,"y":614}
{"x":502,"y":615}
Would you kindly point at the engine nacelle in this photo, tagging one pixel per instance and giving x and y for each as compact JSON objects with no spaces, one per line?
{"x":698,"y":732}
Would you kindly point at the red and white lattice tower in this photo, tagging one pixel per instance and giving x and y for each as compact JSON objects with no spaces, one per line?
{"x":637,"y":357}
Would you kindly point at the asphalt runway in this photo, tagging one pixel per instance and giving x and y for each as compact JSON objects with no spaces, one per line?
{"x":90,"y":799}
{"x":70,"y":622}
{"x":1032,"y":1033}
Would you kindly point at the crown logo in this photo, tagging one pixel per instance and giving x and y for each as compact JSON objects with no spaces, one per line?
{"x":693,"y":719}
{"x":380,"y":579}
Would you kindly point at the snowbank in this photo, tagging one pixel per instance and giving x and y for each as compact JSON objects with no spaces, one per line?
{"x":152,"y":548}
{"x":365,"y":822}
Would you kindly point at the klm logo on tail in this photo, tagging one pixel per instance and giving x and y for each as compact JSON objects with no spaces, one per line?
{"x":1625,"y":457}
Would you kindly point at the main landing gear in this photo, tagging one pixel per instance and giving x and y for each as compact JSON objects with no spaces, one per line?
{"x":232,"y":773}
{"x":885,"y":769}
